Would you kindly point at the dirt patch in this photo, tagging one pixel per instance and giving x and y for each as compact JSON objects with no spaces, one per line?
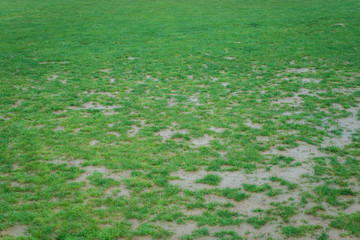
{"x":349,"y":126}
{"x":201,"y":141}
{"x":167,"y":134}
{"x":178,"y":230}
{"x":59,"y":112}
{"x":93,"y":142}
{"x":89,"y":170}
{"x":250,"y":124}
{"x":300,"y":70}
{"x":294,"y":101}
{"x":135,"y":129}
{"x":236,"y":179}
{"x":53,"y":77}
{"x":134,"y":224}
{"x":172,"y":102}
{"x":301,"y":153}
{"x":229,"y":179}
{"x":76,"y":130}
{"x":67,"y":161}
{"x":5,"y":118}
{"x":311,"y":80}
{"x":114,"y":134}
{"x":117,"y":191}
{"x":268,"y":231}
{"x":15,"y":231}
{"x":262,"y":139}
{"x":95,"y":106}
{"x":194,"y":99}
{"x":218,"y":130}
{"x":109,"y":94}
{"x":18,"y":102}
{"x":59,"y":128}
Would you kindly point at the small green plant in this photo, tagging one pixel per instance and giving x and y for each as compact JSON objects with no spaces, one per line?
{"x":350,"y":222}
{"x":292,"y":231}
{"x":210,"y":179}
{"x":97,"y":179}
{"x":227,"y":235}
{"x":234,"y":194}
{"x":254,"y":188}
{"x":283,"y":182}
{"x":202,"y":232}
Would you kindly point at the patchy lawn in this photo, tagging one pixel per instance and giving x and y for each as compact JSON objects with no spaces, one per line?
{"x":185,"y":119}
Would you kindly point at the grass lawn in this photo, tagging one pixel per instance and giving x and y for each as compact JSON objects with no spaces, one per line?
{"x":179,"y":119}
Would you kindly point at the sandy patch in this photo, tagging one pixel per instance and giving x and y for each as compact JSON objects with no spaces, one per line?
{"x":93,"y":142}
{"x":53,"y":77}
{"x":114,"y":134}
{"x":59,"y":112}
{"x":250,"y":124}
{"x":69,"y":162}
{"x":117,"y":191}
{"x":89,"y":170}
{"x":311,"y":80}
{"x":59,"y":128}
{"x":294,"y":101}
{"x":201,"y":141}
{"x":301,"y":153}
{"x":178,"y":230}
{"x":194,"y":99}
{"x":135,"y":129}
{"x":218,"y":130}
{"x":167,"y":134}
{"x":339,"y":24}
{"x":15,"y":231}
{"x":94,"y":105}
{"x":18,"y":102}
{"x":300,"y":70}
{"x":349,"y":125}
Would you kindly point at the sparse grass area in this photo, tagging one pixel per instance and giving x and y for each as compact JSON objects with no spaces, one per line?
{"x":179,"y":119}
{"x":210,"y":179}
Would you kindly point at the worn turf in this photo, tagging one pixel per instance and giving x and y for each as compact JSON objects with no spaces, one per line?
{"x":186,"y":119}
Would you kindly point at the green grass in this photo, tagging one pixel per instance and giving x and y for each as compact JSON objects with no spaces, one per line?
{"x":111,"y":112}
{"x":348,"y":222}
{"x":210,"y":179}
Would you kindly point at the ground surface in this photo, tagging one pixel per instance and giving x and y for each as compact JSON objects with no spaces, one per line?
{"x":219,"y":119}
